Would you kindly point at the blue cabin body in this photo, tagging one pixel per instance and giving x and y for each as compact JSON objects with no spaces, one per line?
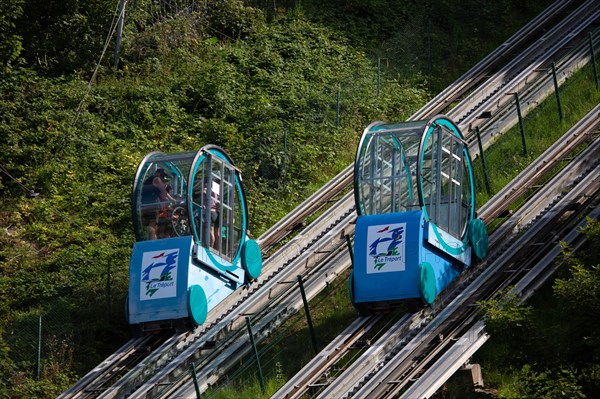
{"x":416,"y":228}
{"x":399,"y":256}
{"x":170,"y":282}
{"x":192,"y":249}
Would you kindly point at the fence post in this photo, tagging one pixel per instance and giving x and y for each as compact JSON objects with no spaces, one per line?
{"x":378,"y":75}
{"x":311,"y":329}
{"x":337,"y":109}
{"x":350,"y":251}
{"x":521,"y":123}
{"x":485,"y":177}
{"x":593,"y":59}
{"x":285,"y":144}
{"x":260,"y":373}
{"x":195,"y":378}
{"x":39,"y":352}
{"x":429,"y":56}
{"x":557,"y":92}
{"x":119,"y":30}
{"x":108,"y":301}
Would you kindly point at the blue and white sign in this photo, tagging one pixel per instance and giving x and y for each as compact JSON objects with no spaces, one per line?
{"x":387,"y":248}
{"x":159,"y":274}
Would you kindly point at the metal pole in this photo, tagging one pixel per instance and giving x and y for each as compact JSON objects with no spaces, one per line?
{"x":206,"y":211}
{"x":349,"y":244}
{"x":39,"y":353}
{"x":557,"y":92}
{"x":429,"y":57}
{"x":195,"y":378}
{"x":119,"y":30}
{"x":284,"y":147}
{"x":108,"y":301}
{"x":485,"y":177}
{"x":260,"y":373}
{"x":337,"y":111}
{"x":378,"y":76}
{"x":311,"y":329}
{"x":521,"y":123}
{"x":593,"y":59}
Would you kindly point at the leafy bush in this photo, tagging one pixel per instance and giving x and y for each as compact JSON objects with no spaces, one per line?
{"x":531,"y":384}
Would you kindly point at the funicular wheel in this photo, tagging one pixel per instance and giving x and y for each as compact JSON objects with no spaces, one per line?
{"x":179,"y":222}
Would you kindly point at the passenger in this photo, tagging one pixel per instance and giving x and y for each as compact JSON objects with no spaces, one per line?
{"x":214,"y":218}
{"x":153,"y":189}
{"x":214,"y":215}
{"x":165,"y":213}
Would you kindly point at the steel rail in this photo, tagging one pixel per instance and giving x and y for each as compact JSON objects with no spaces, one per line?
{"x":285,"y":305}
{"x":529,"y":63}
{"x":96,"y":379}
{"x":516,"y":77}
{"x":326,"y":393}
{"x":466,"y":346}
{"x":524,"y":36}
{"x":402,"y":368}
{"x":528,"y":214}
{"x":305,"y":250}
{"x":195,"y":345}
{"x":519,"y":219}
{"x":326,"y":359}
{"x":464,"y":83}
{"x":539,"y":89}
{"x":175,"y":344}
{"x":554,"y":155}
{"x":534,"y":265}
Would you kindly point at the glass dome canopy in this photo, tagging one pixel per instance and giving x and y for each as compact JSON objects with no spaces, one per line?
{"x":206,"y":200}
{"x":385,"y":169}
{"x":420,"y":165}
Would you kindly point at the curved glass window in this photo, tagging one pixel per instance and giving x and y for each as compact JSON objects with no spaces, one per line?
{"x":386,"y":168}
{"x":213,"y":211}
{"x":415,"y":165}
{"x":159,"y":191}
{"x":446,"y":179}
{"x":217,"y":205}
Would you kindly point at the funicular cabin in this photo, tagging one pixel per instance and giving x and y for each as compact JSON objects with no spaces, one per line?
{"x":192,"y":249}
{"x":415,"y":199}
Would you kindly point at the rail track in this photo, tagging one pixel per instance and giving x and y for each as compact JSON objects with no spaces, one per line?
{"x":415,"y":341}
{"x":507,"y":269}
{"x":536,"y":272}
{"x":309,"y":253}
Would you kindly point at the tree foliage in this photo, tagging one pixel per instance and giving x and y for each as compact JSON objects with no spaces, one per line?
{"x":578,"y":293}
{"x":504,"y":312}
{"x":10,"y":42}
{"x":547,"y":384}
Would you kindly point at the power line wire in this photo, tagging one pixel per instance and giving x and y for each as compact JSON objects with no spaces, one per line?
{"x":30,"y":193}
{"x":111,"y":33}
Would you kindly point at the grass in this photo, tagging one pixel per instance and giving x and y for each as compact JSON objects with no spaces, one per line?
{"x":542,"y":127}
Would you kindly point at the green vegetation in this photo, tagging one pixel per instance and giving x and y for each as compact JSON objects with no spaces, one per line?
{"x":549,"y":348}
{"x":247,"y":76}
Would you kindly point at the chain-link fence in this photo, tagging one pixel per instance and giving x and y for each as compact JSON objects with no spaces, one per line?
{"x":40,"y":339}
{"x":58,"y":338}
